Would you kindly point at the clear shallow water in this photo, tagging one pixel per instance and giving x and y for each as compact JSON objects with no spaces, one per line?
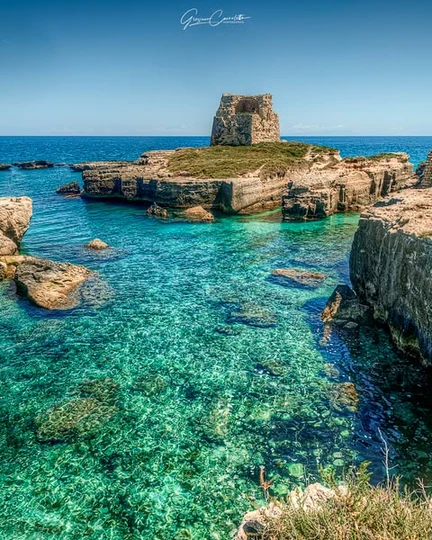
{"x":221,"y":369}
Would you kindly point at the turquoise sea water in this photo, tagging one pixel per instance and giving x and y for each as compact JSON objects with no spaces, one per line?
{"x":221,"y":369}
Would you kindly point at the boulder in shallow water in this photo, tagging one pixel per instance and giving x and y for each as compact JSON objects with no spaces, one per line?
{"x":344,"y":308}
{"x":5,"y":166}
{"x":36,"y":164}
{"x":196,"y":214}
{"x":97,"y":244}
{"x":72,"y":188}
{"x":300,"y":277}
{"x":49,"y":284}
{"x":157,"y":211}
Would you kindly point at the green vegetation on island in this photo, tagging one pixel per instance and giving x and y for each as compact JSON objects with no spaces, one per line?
{"x":235,"y":161}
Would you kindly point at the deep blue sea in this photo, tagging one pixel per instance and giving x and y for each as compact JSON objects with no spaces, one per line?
{"x":221,"y":369}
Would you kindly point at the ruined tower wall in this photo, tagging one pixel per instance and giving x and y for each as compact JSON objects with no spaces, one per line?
{"x":245,"y":120}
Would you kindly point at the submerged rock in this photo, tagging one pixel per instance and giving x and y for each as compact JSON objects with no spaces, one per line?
{"x":36,"y":164}
{"x":15,"y":215}
{"x":72,"y":188}
{"x":343,"y":308}
{"x":97,"y":244}
{"x":344,"y":396}
{"x":252,"y":315}
{"x":157,"y":211}
{"x":81,"y":417}
{"x":49,"y":284}
{"x":301,"y":277}
{"x":5,"y":166}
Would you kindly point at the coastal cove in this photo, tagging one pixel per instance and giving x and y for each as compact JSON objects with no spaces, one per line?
{"x":221,"y":366}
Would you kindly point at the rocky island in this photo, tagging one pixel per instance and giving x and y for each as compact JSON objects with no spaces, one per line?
{"x":248,"y":169}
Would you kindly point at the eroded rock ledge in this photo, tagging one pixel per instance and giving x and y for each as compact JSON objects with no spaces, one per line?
{"x":348,"y":186}
{"x":390,"y":267}
{"x":231,"y":179}
{"x":311,"y":182}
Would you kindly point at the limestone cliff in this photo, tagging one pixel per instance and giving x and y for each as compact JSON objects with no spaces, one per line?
{"x":390,"y":267}
{"x":232,"y":180}
{"x":348,"y":186}
{"x":310,"y":182}
{"x":15,"y":215}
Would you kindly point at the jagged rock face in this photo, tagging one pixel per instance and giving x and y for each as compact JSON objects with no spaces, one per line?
{"x":72,"y":188}
{"x":390,"y":267}
{"x":348,"y":186}
{"x":245,"y":120}
{"x":15,"y":215}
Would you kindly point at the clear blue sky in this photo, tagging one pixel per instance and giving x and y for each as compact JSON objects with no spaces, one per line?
{"x":93,"y":67}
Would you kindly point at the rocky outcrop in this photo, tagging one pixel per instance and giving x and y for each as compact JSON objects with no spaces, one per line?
{"x":97,"y":244}
{"x":345,"y":309}
{"x":245,"y":120}
{"x":151,"y":179}
{"x":72,"y":188}
{"x":390,"y":264}
{"x":15,"y":215}
{"x":47,"y":284}
{"x":348,"y":186}
{"x":4,"y":167}
{"x":309,"y":500}
{"x":37,"y":164}
{"x":94,"y":165}
{"x":312,"y":184}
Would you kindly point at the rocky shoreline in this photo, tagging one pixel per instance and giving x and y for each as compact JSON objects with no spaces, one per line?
{"x":45,"y":283}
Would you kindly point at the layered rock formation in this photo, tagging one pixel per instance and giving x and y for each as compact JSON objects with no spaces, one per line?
{"x":245,"y":120}
{"x":47,"y":284}
{"x":390,"y":266}
{"x":311,"y":182}
{"x":15,"y":215}
{"x":154,"y":179}
{"x":348,"y":186}
{"x":72,"y":188}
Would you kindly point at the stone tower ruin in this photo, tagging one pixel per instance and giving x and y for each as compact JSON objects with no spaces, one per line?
{"x":427,"y":174}
{"x":245,"y":120}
